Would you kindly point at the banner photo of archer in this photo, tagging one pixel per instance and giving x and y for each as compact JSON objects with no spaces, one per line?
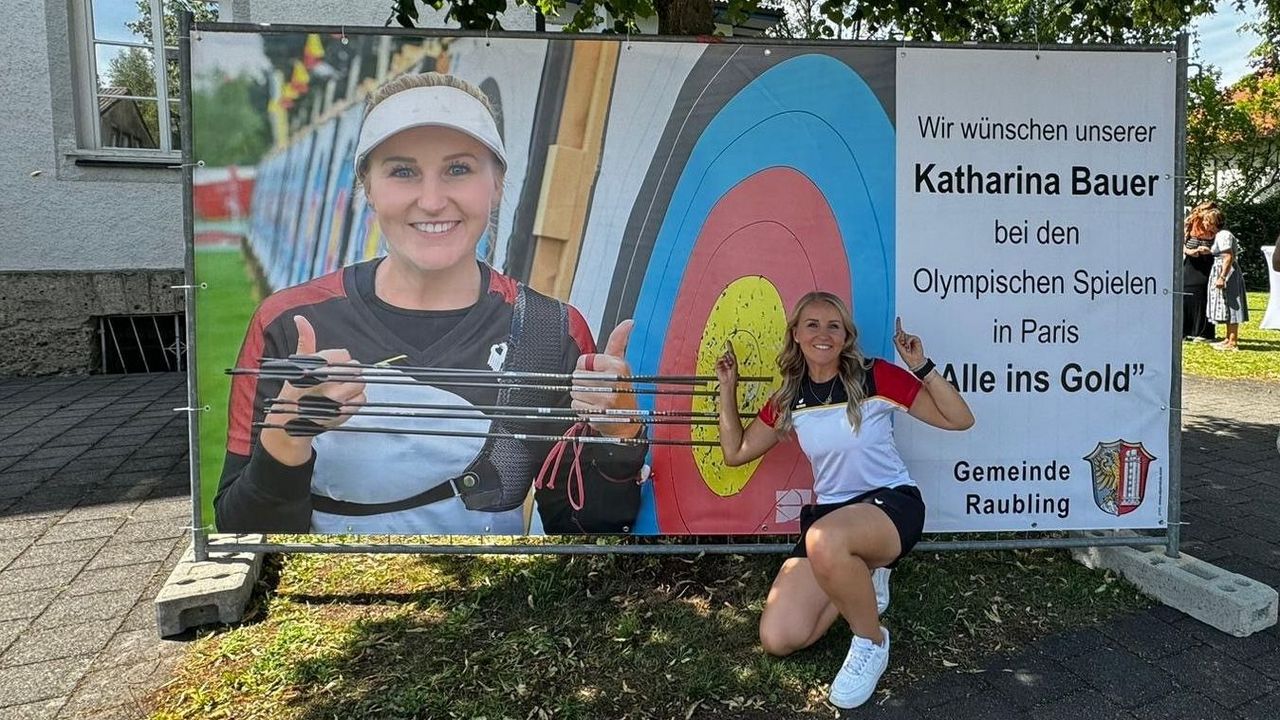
{"x":482,"y":283}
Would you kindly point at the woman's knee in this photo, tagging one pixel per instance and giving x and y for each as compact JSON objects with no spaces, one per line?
{"x":866,"y":535}
{"x":781,"y":638}
{"x":827,"y":550}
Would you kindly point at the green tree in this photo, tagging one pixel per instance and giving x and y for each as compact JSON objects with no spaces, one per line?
{"x":675,"y":17}
{"x":1233,"y":133}
{"x":1233,"y":137}
{"x":135,"y":68}
{"x":1114,"y":21}
{"x":1266,"y":56}
{"x":804,"y":19}
{"x":134,"y":71}
{"x":232,"y":130}
{"x":201,"y":11}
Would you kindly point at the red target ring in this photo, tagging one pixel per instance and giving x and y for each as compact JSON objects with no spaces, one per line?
{"x":776,"y":224}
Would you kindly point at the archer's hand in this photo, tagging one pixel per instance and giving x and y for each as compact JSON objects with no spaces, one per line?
{"x":337,"y":396}
{"x":727,"y":367}
{"x":909,"y":346}
{"x":613,"y":361}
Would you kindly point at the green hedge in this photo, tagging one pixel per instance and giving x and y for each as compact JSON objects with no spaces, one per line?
{"x":1255,"y":225}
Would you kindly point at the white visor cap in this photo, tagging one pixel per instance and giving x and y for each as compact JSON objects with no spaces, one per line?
{"x":439,"y":105}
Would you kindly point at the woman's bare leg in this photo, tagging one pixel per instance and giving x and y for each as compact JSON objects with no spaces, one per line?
{"x":844,"y":547}
{"x":797,"y":611}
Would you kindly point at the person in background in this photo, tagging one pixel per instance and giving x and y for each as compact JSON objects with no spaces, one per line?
{"x":1227,"y":302}
{"x":1197,"y":262}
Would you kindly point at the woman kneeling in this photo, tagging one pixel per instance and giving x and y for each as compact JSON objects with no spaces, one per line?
{"x":868,"y":512}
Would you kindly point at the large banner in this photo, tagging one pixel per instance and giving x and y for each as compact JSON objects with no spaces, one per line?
{"x":1035,"y":217}
{"x":1014,"y":208}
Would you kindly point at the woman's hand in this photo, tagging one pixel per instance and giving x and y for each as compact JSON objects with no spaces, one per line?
{"x":613,"y":361}
{"x":938,"y":403}
{"x":738,"y":446}
{"x":328,"y":398}
{"x":909,"y":346}
{"x":1219,"y":282}
{"x":727,"y":367}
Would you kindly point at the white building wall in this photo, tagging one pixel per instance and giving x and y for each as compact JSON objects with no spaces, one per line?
{"x":57,"y":215}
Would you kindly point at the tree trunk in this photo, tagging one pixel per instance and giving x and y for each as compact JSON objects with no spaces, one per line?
{"x":685,"y":17}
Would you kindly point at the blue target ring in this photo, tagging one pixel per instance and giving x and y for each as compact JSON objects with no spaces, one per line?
{"x":814,"y":114}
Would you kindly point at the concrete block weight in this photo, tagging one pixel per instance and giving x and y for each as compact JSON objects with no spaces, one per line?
{"x":1228,"y":601}
{"x":202,"y":593}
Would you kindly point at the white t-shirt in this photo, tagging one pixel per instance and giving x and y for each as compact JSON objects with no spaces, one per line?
{"x":848,"y":463}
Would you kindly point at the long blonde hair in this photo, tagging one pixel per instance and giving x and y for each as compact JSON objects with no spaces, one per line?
{"x":791,"y":363}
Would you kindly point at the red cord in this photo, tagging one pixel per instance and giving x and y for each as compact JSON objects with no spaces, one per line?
{"x":575,"y":472}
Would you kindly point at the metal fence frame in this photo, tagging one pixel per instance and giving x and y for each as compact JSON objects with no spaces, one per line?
{"x":203,"y":541}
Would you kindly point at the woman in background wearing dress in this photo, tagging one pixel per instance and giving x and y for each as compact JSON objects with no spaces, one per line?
{"x":1226,"y":283}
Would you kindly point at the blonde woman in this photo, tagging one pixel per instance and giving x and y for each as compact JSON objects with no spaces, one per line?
{"x":868,"y":512}
{"x":431,"y":162}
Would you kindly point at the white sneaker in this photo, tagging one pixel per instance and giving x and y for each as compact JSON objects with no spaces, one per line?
{"x":860,"y":672}
{"x":880,"y":581}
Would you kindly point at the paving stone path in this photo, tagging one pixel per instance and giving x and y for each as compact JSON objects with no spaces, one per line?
{"x":93,"y":504}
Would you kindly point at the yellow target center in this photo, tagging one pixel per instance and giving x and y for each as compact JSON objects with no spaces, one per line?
{"x":750,"y":315}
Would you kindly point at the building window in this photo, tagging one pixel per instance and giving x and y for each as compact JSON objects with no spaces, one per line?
{"x":130,"y":82}
{"x":142,"y":343}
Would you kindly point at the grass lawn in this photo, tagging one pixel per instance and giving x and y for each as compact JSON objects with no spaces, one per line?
{"x":591,"y":637}
{"x":223,"y":311}
{"x":1259,"y":356}
{"x":400,"y":636}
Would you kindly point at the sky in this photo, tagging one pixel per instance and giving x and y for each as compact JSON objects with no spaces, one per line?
{"x":1222,"y":44}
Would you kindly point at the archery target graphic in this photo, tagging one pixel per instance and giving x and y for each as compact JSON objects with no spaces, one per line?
{"x":746,"y":314}
{"x":787,"y":187}
{"x":742,"y":292}
{"x":342,"y":179}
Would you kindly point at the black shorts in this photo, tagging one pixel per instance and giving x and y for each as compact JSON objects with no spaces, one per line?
{"x":902,"y":504}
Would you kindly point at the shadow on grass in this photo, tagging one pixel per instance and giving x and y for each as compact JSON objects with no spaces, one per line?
{"x":556,"y":637}
{"x":600,"y":636}
{"x":1257,"y":356}
{"x":1261,"y":344}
